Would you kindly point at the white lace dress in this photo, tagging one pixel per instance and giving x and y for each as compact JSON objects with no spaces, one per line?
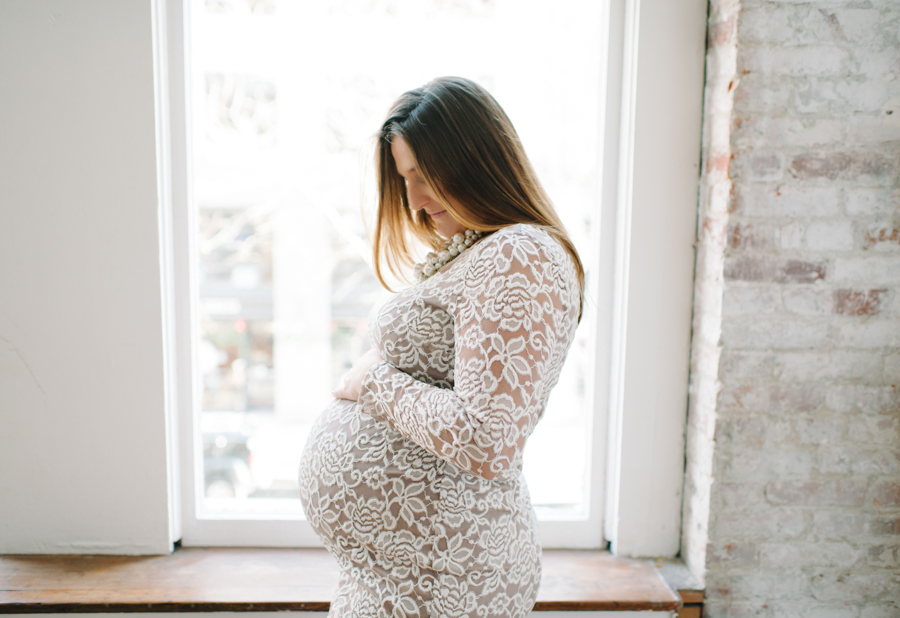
{"x":416,"y":489}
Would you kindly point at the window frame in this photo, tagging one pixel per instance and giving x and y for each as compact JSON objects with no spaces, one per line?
{"x":626,"y":506}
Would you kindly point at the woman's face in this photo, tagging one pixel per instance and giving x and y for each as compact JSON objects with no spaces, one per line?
{"x":419,"y":194}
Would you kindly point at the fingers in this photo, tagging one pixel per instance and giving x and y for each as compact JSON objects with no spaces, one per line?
{"x":344,"y":390}
{"x":351,"y":382}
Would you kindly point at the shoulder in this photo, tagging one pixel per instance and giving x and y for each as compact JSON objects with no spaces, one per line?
{"x":522,"y":245}
{"x":519,"y":274}
{"x":518,"y":251}
{"x":523,"y":241}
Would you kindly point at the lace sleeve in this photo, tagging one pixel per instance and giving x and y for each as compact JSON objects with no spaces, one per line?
{"x":506,"y":327}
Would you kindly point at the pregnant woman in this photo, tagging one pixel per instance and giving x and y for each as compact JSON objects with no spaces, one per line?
{"x":412,"y":477}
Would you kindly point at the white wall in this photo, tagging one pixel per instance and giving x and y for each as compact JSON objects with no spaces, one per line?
{"x":82,"y":421}
{"x":804,"y":504}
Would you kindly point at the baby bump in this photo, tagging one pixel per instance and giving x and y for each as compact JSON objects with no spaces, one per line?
{"x":364,"y":485}
{"x":374,"y":496}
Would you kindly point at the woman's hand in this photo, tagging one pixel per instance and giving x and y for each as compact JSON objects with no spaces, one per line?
{"x":351,"y":383}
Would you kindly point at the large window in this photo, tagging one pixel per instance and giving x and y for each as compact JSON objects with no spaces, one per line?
{"x":285,"y":99}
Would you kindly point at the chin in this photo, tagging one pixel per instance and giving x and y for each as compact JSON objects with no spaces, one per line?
{"x":448,"y":228}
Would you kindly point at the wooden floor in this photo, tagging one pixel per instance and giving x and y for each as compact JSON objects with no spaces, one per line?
{"x":220,"y":579}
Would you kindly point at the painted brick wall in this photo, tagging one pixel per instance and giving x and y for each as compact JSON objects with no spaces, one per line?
{"x":805,"y":507}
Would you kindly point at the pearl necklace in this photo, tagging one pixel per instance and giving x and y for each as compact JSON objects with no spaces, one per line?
{"x":452,"y":247}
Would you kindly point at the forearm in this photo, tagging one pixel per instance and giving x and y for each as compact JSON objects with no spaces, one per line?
{"x":436,"y":419}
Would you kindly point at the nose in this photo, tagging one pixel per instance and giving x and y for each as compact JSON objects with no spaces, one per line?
{"x":416,"y":195}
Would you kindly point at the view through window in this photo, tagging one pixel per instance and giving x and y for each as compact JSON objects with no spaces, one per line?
{"x":286,"y":97}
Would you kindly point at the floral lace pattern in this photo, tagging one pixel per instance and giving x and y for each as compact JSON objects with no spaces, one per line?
{"x":416,"y":489}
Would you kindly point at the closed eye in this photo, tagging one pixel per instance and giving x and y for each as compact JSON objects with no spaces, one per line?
{"x":416,"y":179}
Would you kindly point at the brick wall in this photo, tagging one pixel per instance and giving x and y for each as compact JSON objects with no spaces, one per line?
{"x":805,"y":507}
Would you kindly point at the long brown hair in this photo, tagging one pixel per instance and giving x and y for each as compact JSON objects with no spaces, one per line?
{"x":470,"y":155}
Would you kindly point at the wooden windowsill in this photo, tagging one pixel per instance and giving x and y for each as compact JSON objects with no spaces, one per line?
{"x":236,"y":580}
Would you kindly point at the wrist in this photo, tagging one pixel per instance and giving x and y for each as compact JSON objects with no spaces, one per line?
{"x":369,"y":393}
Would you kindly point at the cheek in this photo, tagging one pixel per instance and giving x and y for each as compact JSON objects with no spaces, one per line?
{"x":425,"y":191}
{"x":414,"y":190}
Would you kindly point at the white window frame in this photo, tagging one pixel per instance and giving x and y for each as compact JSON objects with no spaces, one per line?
{"x":651,"y":174}
{"x":642,"y":287}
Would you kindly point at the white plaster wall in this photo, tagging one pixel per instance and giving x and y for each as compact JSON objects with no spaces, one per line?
{"x":82,"y":423}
